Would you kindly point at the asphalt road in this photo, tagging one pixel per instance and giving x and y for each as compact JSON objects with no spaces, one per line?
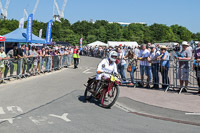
{"x":53,"y":103}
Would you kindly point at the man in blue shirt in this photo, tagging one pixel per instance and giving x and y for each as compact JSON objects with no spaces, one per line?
{"x":164,"y":57}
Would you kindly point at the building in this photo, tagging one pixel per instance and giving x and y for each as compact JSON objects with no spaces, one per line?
{"x":126,"y":24}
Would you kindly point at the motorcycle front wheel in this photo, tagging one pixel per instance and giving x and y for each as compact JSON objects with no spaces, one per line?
{"x":108,"y":99}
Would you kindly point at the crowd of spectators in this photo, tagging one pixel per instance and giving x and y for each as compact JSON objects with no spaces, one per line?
{"x":154,"y":62}
{"x":32,"y":60}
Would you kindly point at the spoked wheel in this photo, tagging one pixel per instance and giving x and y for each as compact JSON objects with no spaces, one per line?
{"x":108,"y":99}
{"x":88,"y":94}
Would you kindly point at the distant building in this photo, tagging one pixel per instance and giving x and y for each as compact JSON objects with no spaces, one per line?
{"x":126,"y":24}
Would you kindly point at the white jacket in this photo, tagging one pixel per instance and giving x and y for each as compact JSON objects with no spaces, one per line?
{"x":109,"y":68}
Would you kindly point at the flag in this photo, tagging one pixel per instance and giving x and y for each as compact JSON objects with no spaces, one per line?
{"x":29,"y":28}
{"x":48,"y":34}
{"x":40,"y":33}
{"x":81,"y":42}
{"x":21,"y":23}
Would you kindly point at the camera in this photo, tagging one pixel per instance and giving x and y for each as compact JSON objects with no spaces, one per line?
{"x":177,"y":48}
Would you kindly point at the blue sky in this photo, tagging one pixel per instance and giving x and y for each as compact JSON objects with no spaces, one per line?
{"x":182,"y":12}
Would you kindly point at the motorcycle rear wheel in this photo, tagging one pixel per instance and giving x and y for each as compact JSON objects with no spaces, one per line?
{"x":87,"y":94}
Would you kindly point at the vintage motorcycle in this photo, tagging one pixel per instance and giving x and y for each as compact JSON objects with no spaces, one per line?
{"x":107,"y":91}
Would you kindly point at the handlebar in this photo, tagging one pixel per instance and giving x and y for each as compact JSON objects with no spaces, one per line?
{"x":114,"y":74}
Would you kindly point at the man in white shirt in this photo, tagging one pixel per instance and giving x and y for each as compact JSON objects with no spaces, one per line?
{"x":154,"y":66}
{"x":144,"y":64}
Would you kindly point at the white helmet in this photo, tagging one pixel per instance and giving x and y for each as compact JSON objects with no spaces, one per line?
{"x":113,"y":56}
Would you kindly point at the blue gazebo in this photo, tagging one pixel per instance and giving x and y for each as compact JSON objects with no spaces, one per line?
{"x":19,"y":36}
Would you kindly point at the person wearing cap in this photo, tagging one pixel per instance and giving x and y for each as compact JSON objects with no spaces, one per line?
{"x":164,"y":65}
{"x":144,"y":65}
{"x":154,"y":66}
{"x":185,"y":57}
{"x":196,"y":64}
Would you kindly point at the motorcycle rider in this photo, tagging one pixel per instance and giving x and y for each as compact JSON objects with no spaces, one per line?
{"x":107,"y":65}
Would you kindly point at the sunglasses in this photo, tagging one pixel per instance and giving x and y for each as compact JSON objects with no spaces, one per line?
{"x":162,"y":49}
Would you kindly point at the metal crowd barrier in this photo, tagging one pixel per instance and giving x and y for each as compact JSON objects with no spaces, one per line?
{"x":30,"y":66}
{"x":169,"y":78}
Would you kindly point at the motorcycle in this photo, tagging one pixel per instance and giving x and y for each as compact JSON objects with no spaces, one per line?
{"x":107,"y":91}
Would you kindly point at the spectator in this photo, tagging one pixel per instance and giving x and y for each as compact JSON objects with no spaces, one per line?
{"x":20,"y":54}
{"x":133,"y":63}
{"x":186,"y":55}
{"x":197,"y":64}
{"x":144,"y":65}
{"x":26,"y":61}
{"x":121,"y":65}
{"x":62,"y":57}
{"x":164,"y":57}
{"x":66,"y":57}
{"x":136,"y":51}
{"x":76,"y":57}
{"x":42,"y":59}
{"x":2,"y":58}
{"x":34,"y":55}
{"x":47,"y":60}
{"x":154,"y":66}
{"x":9,"y":64}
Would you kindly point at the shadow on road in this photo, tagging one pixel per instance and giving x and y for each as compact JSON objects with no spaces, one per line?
{"x":92,"y":100}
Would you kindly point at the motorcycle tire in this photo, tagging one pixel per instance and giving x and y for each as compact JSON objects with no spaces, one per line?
{"x":104,"y":96}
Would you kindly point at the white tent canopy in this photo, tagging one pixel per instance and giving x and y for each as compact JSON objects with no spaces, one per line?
{"x":128,"y":44}
{"x":97,"y":43}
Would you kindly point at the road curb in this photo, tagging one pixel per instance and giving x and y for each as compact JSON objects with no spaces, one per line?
{"x":142,"y":109}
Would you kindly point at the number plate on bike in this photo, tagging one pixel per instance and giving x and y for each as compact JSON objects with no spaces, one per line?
{"x":112,"y":78}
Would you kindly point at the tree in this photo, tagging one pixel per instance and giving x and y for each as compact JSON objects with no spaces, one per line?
{"x":104,"y":31}
{"x":181,"y":33}
{"x":161,"y":33}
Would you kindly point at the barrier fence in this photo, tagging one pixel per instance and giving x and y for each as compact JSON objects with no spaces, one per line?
{"x":172,"y":77}
{"x":180,"y":75}
{"x":24,"y":67}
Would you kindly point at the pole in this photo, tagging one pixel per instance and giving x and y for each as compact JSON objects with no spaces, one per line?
{"x":4,"y":46}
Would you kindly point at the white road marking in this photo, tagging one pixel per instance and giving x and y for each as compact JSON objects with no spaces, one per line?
{"x":15,"y":109}
{"x":123,"y":107}
{"x":192,"y":113}
{"x":10,"y":120}
{"x":87,"y":71}
{"x":1,"y":111}
{"x":38,"y":120}
{"x":63,"y":117}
